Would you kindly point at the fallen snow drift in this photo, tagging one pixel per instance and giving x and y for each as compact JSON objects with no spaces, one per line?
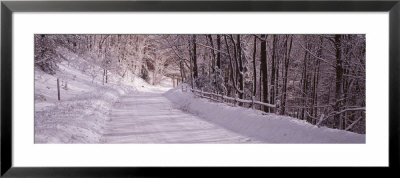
{"x":270,"y":128}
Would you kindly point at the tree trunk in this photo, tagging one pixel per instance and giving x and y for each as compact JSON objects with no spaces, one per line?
{"x":58,"y":89}
{"x":104,"y":74}
{"x":260,"y":81}
{"x":231,"y":71}
{"x":304,"y":83}
{"x":277,"y":64}
{"x":285,"y":77}
{"x":273,"y":70}
{"x":339,"y":80}
{"x":182,"y":70}
{"x":241,"y":73}
{"x":191,"y":62}
{"x":236,"y":66}
{"x":213,"y":61}
{"x":264,"y":70}
{"x":173,"y":81}
{"x":254,"y":67}
{"x":212,"y":52}
{"x":195,"y":69}
{"x":314,"y":109}
{"x":219,"y":49}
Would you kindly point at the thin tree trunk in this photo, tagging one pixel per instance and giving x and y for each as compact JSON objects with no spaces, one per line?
{"x":58,"y":89}
{"x":191,"y":63}
{"x":254,"y":67}
{"x":277,"y":64}
{"x":260,"y":84}
{"x":241,"y":72}
{"x":285,"y":78}
{"x":314,"y":111}
{"x":231,"y":64}
{"x":104,"y":74}
{"x":304,"y":83}
{"x":273,"y":70}
{"x":212,"y":52}
{"x":219,"y":49}
{"x":339,"y":80}
{"x":182,"y":69}
{"x":106,"y":71}
{"x":236,"y":67}
{"x":195,"y":69}
{"x":213,"y":61}
{"x":264,"y":70}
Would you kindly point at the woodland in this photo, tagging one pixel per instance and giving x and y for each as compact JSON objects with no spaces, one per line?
{"x":318,"y":78}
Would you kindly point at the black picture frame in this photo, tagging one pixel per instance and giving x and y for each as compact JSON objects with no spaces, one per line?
{"x":8,"y":7}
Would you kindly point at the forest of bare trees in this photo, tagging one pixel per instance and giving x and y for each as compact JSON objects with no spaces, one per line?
{"x":317,"y":78}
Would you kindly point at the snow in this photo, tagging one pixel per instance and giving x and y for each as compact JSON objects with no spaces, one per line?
{"x":83,"y":111}
{"x":129,"y":110}
{"x":149,"y":117}
{"x":143,"y":86}
{"x":267,"y":128}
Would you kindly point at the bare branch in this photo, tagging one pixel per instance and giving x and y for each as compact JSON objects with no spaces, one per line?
{"x":312,"y":54}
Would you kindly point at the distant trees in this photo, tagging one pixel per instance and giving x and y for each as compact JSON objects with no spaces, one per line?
{"x":316,"y":78}
{"x":46,"y":57}
{"x":125,"y":55}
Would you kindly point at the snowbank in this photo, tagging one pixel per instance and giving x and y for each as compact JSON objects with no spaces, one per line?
{"x":270,"y":128}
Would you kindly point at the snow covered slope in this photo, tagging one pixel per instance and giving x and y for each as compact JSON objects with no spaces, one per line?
{"x":270,"y":128}
{"x":81,"y":114}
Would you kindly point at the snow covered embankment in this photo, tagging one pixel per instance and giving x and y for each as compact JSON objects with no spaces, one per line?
{"x":83,"y":111}
{"x":270,"y":128}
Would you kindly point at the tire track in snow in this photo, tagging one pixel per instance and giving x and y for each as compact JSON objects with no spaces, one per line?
{"x":149,"y":117}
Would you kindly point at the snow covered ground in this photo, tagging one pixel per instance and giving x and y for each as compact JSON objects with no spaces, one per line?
{"x":130,"y":110}
{"x":267,"y":128}
{"x":149,"y":117}
{"x":82,"y":112}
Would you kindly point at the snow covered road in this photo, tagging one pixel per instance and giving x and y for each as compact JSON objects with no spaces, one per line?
{"x":149,"y":117}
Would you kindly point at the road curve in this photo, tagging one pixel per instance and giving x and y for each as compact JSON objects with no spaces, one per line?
{"x":149,"y":117}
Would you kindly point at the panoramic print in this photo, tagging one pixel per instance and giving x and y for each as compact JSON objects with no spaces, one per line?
{"x":199,"y":88}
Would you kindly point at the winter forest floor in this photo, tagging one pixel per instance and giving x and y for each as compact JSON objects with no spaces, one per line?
{"x":123,"y":111}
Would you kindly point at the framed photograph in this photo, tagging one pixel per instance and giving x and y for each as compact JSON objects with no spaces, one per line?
{"x":141,"y":88}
